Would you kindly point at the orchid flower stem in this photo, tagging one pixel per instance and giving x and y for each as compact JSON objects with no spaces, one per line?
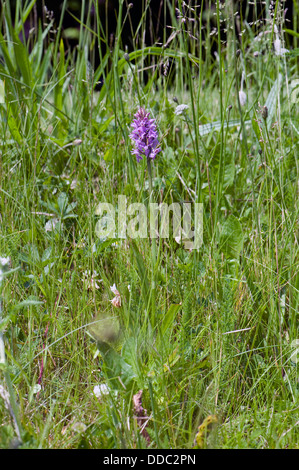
{"x":146,"y":142}
{"x":149,"y":169}
{"x":153,"y":250}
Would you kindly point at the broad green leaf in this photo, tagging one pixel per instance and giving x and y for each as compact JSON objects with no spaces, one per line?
{"x":13,"y":127}
{"x":13,"y":110}
{"x":62,"y":202}
{"x":117,"y":370}
{"x":58,"y":95}
{"x":169,"y":317}
{"x":46,"y":254}
{"x":231,"y":238}
{"x":271,"y":101}
{"x":6,"y":55}
{"x":229,"y":169}
{"x":130,"y":354}
{"x":22,"y":60}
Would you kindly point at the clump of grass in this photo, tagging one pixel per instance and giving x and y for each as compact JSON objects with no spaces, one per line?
{"x":82,"y":334}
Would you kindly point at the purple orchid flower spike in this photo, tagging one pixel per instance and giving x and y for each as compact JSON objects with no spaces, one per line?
{"x":144,"y":136}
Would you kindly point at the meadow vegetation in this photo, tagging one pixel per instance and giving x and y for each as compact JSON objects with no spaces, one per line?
{"x":134,"y":343}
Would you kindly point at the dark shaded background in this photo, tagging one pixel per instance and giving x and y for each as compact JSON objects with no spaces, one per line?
{"x":156,"y":25}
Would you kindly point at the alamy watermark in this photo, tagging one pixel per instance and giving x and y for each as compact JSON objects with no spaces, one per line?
{"x":138,"y":220}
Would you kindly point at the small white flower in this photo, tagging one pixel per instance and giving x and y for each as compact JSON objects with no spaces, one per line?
{"x":90,"y":280}
{"x":180,"y":109}
{"x":116,"y":302}
{"x":242,"y":94}
{"x":51,"y":224}
{"x":79,"y":427}
{"x":277,"y":44}
{"x":77,"y":142}
{"x":36,"y":388}
{"x":74,"y":184}
{"x":100,"y":390}
{"x":4,"y":261}
{"x":114,"y":290}
{"x":242,"y":97}
{"x":278,"y":49}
